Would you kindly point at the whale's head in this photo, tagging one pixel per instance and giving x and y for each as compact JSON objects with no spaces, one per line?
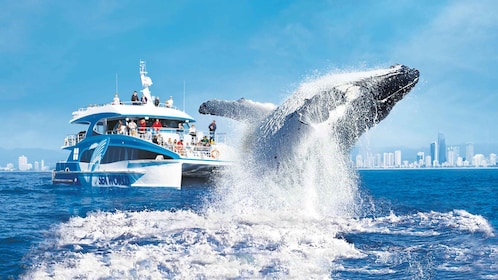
{"x":389,"y":88}
{"x":345,"y":105}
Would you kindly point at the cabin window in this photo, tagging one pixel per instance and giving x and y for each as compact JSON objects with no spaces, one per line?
{"x":114,"y":154}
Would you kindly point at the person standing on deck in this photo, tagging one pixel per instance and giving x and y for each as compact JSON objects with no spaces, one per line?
{"x":193,"y":133}
{"x":169,"y":102}
{"x":134,"y":98}
{"x":212,"y":130}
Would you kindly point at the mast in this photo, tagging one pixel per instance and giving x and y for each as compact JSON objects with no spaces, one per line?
{"x":146,"y":82}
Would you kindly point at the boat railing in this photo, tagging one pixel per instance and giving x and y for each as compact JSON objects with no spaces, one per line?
{"x":199,"y":145}
{"x":73,"y":139}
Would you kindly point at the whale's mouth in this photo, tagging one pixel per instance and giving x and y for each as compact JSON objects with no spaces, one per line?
{"x":401,"y":92}
{"x":393,"y":86}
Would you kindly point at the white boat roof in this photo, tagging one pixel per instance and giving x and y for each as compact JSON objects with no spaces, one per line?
{"x":94,"y":113}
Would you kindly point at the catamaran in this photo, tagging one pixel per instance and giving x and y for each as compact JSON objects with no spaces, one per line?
{"x":139,"y":143}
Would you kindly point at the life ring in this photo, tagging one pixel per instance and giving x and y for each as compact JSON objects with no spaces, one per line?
{"x":215,"y":153}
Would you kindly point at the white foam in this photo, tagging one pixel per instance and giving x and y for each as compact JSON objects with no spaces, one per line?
{"x":166,"y":244}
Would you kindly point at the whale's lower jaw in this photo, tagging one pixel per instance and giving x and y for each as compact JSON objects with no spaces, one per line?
{"x":343,"y":107}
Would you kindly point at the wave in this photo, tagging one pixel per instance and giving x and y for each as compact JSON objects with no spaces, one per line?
{"x":185,"y":244}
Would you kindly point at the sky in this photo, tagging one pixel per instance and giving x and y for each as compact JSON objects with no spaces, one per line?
{"x":58,"y":56}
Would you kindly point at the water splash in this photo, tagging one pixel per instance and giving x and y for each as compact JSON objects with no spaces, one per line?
{"x":316,"y":182}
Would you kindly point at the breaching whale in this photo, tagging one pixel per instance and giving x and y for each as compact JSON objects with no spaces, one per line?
{"x":343,"y":106}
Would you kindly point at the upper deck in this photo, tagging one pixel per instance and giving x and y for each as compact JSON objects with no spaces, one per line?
{"x":94,"y":113}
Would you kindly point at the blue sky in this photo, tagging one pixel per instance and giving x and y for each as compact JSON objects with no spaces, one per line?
{"x":58,"y":56}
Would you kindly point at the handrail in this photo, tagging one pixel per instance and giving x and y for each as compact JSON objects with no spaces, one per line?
{"x":190,"y":149}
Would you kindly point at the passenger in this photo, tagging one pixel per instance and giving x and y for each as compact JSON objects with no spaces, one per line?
{"x":169,"y":102}
{"x":156,"y":101}
{"x":192,"y":132}
{"x":116,"y":100}
{"x":181,"y":130}
{"x":174,"y":146}
{"x":157,"y":125}
{"x":119,"y":127}
{"x":132,"y":127}
{"x":212,"y":130}
{"x":142,"y":127}
{"x":134,"y":98}
{"x":155,"y":139}
{"x":122,"y":128}
{"x":144,"y":99}
{"x":170,"y":144}
{"x":160,"y":139}
{"x":205,"y":141}
{"x":179,"y":147}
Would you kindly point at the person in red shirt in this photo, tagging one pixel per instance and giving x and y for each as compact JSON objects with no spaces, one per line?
{"x":142,"y":127}
{"x":157,"y":125}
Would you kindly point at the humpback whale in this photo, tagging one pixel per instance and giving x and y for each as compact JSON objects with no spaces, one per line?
{"x":343,"y":106}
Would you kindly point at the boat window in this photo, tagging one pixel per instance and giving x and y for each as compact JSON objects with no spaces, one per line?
{"x":114,"y":154}
{"x":86,"y":155}
{"x":99,"y":128}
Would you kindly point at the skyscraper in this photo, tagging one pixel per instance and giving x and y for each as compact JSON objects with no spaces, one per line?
{"x":442,"y":148}
{"x":23,"y":163}
{"x":469,"y":153}
{"x":434,"y":154}
{"x":397,"y":158}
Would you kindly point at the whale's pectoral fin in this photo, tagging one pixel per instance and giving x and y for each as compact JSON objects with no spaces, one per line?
{"x":317,"y":109}
{"x":240,"y":110}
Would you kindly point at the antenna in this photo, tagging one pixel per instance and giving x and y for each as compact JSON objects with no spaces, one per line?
{"x":116,"y":82}
{"x":183,"y":95}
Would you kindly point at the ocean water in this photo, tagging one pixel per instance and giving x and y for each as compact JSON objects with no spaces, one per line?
{"x":403,"y":224}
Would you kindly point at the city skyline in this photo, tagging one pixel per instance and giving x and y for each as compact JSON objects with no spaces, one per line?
{"x":23,"y":164}
{"x":440,"y":155}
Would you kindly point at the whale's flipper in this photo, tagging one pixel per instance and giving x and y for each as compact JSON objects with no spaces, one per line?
{"x":317,"y":109}
{"x":240,"y":110}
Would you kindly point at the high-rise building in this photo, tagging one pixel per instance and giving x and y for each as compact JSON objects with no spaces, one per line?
{"x":441,"y":141}
{"x":23,"y":163}
{"x":492,"y":159}
{"x":479,"y":160}
{"x":469,"y":153}
{"x":434,"y":154}
{"x":428,"y":161}
{"x":453,"y":154}
{"x":420,"y":158}
{"x":397,"y":158}
{"x":378,"y":160}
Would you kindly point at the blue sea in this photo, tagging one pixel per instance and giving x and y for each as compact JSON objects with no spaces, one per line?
{"x":401,"y":224}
